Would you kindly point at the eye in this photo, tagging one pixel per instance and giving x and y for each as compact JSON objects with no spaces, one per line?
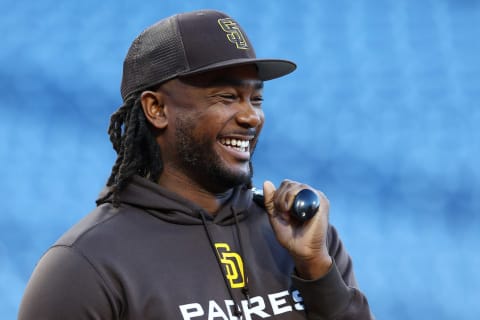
{"x":228,"y":96}
{"x":257,"y":100}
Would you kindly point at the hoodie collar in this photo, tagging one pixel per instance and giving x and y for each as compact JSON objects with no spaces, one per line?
{"x":167,"y":205}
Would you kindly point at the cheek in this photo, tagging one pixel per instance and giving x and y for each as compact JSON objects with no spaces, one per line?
{"x":261,"y":116}
{"x":208,"y":126}
{"x":216,"y":118}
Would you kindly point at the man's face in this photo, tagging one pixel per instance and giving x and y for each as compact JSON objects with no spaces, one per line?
{"x":214,"y":122}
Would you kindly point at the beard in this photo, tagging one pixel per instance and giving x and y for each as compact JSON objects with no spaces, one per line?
{"x":198,"y":160}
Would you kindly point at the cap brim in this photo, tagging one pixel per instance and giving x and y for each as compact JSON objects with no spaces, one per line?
{"x":268,"y":69}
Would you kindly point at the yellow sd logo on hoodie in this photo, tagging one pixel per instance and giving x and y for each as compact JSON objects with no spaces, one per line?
{"x":233,"y":264}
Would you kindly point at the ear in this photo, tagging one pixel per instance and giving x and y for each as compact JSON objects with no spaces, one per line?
{"x":154,"y":108}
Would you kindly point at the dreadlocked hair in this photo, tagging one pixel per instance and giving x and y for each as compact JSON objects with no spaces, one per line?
{"x":138,"y":153}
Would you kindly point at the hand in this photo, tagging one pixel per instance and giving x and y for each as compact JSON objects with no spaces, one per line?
{"x":305,"y":241}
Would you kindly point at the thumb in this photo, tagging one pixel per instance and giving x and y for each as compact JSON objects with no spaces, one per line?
{"x":268,"y":192}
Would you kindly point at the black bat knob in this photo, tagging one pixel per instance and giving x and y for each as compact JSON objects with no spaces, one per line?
{"x":305,"y":204}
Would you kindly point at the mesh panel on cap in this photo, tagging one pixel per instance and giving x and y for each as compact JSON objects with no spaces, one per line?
{"x":156,"y":55}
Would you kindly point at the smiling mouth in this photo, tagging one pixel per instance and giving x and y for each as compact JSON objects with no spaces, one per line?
{"x":241,"y":145}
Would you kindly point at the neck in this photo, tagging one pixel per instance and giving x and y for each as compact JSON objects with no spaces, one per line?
{"x":194,"y":192}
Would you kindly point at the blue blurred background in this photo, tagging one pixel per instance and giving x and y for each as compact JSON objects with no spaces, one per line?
{"x":382,"y":115}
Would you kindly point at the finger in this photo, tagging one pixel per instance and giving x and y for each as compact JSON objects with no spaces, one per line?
{"x":278,"y":219}
{"x":324,"y":202}
{"x":285,"y":195}
{"x":268,"y":194}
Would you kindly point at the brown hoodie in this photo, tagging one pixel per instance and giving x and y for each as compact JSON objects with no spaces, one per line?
{"x":159,"y":256}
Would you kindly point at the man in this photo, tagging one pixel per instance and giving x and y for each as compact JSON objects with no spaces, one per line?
{"x":176,"y":234}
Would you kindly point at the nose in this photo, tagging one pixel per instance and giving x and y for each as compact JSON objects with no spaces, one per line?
{"x":249,"y":116}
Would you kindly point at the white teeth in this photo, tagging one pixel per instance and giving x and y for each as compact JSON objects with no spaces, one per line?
{"x":241,"y":145}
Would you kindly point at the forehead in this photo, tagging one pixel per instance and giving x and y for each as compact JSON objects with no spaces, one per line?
{"x":242,"y":76}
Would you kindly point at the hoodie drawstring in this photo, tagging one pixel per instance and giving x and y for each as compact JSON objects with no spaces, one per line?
{"x":245,"y":289}
{"x":238,"y":311}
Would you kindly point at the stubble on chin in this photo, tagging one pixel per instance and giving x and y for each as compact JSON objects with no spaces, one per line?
{"x":198,"y":159}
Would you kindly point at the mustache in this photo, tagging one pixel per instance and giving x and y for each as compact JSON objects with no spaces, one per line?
{"x":245,"y":132}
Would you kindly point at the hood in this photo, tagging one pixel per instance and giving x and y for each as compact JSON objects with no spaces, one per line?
{"x":169,"y":206}
{"x":172,"y":207}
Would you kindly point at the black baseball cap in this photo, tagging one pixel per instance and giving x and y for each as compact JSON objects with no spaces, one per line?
{"x":191,"y":43}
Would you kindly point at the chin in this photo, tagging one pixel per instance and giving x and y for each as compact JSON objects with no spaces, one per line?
{"x":229,"y":179}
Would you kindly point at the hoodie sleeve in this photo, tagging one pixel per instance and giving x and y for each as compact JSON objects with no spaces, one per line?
{"x":64,"y":285}
{"x":335,"y":295}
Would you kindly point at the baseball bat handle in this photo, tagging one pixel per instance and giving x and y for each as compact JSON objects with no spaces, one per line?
{"x":304,"y":207}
